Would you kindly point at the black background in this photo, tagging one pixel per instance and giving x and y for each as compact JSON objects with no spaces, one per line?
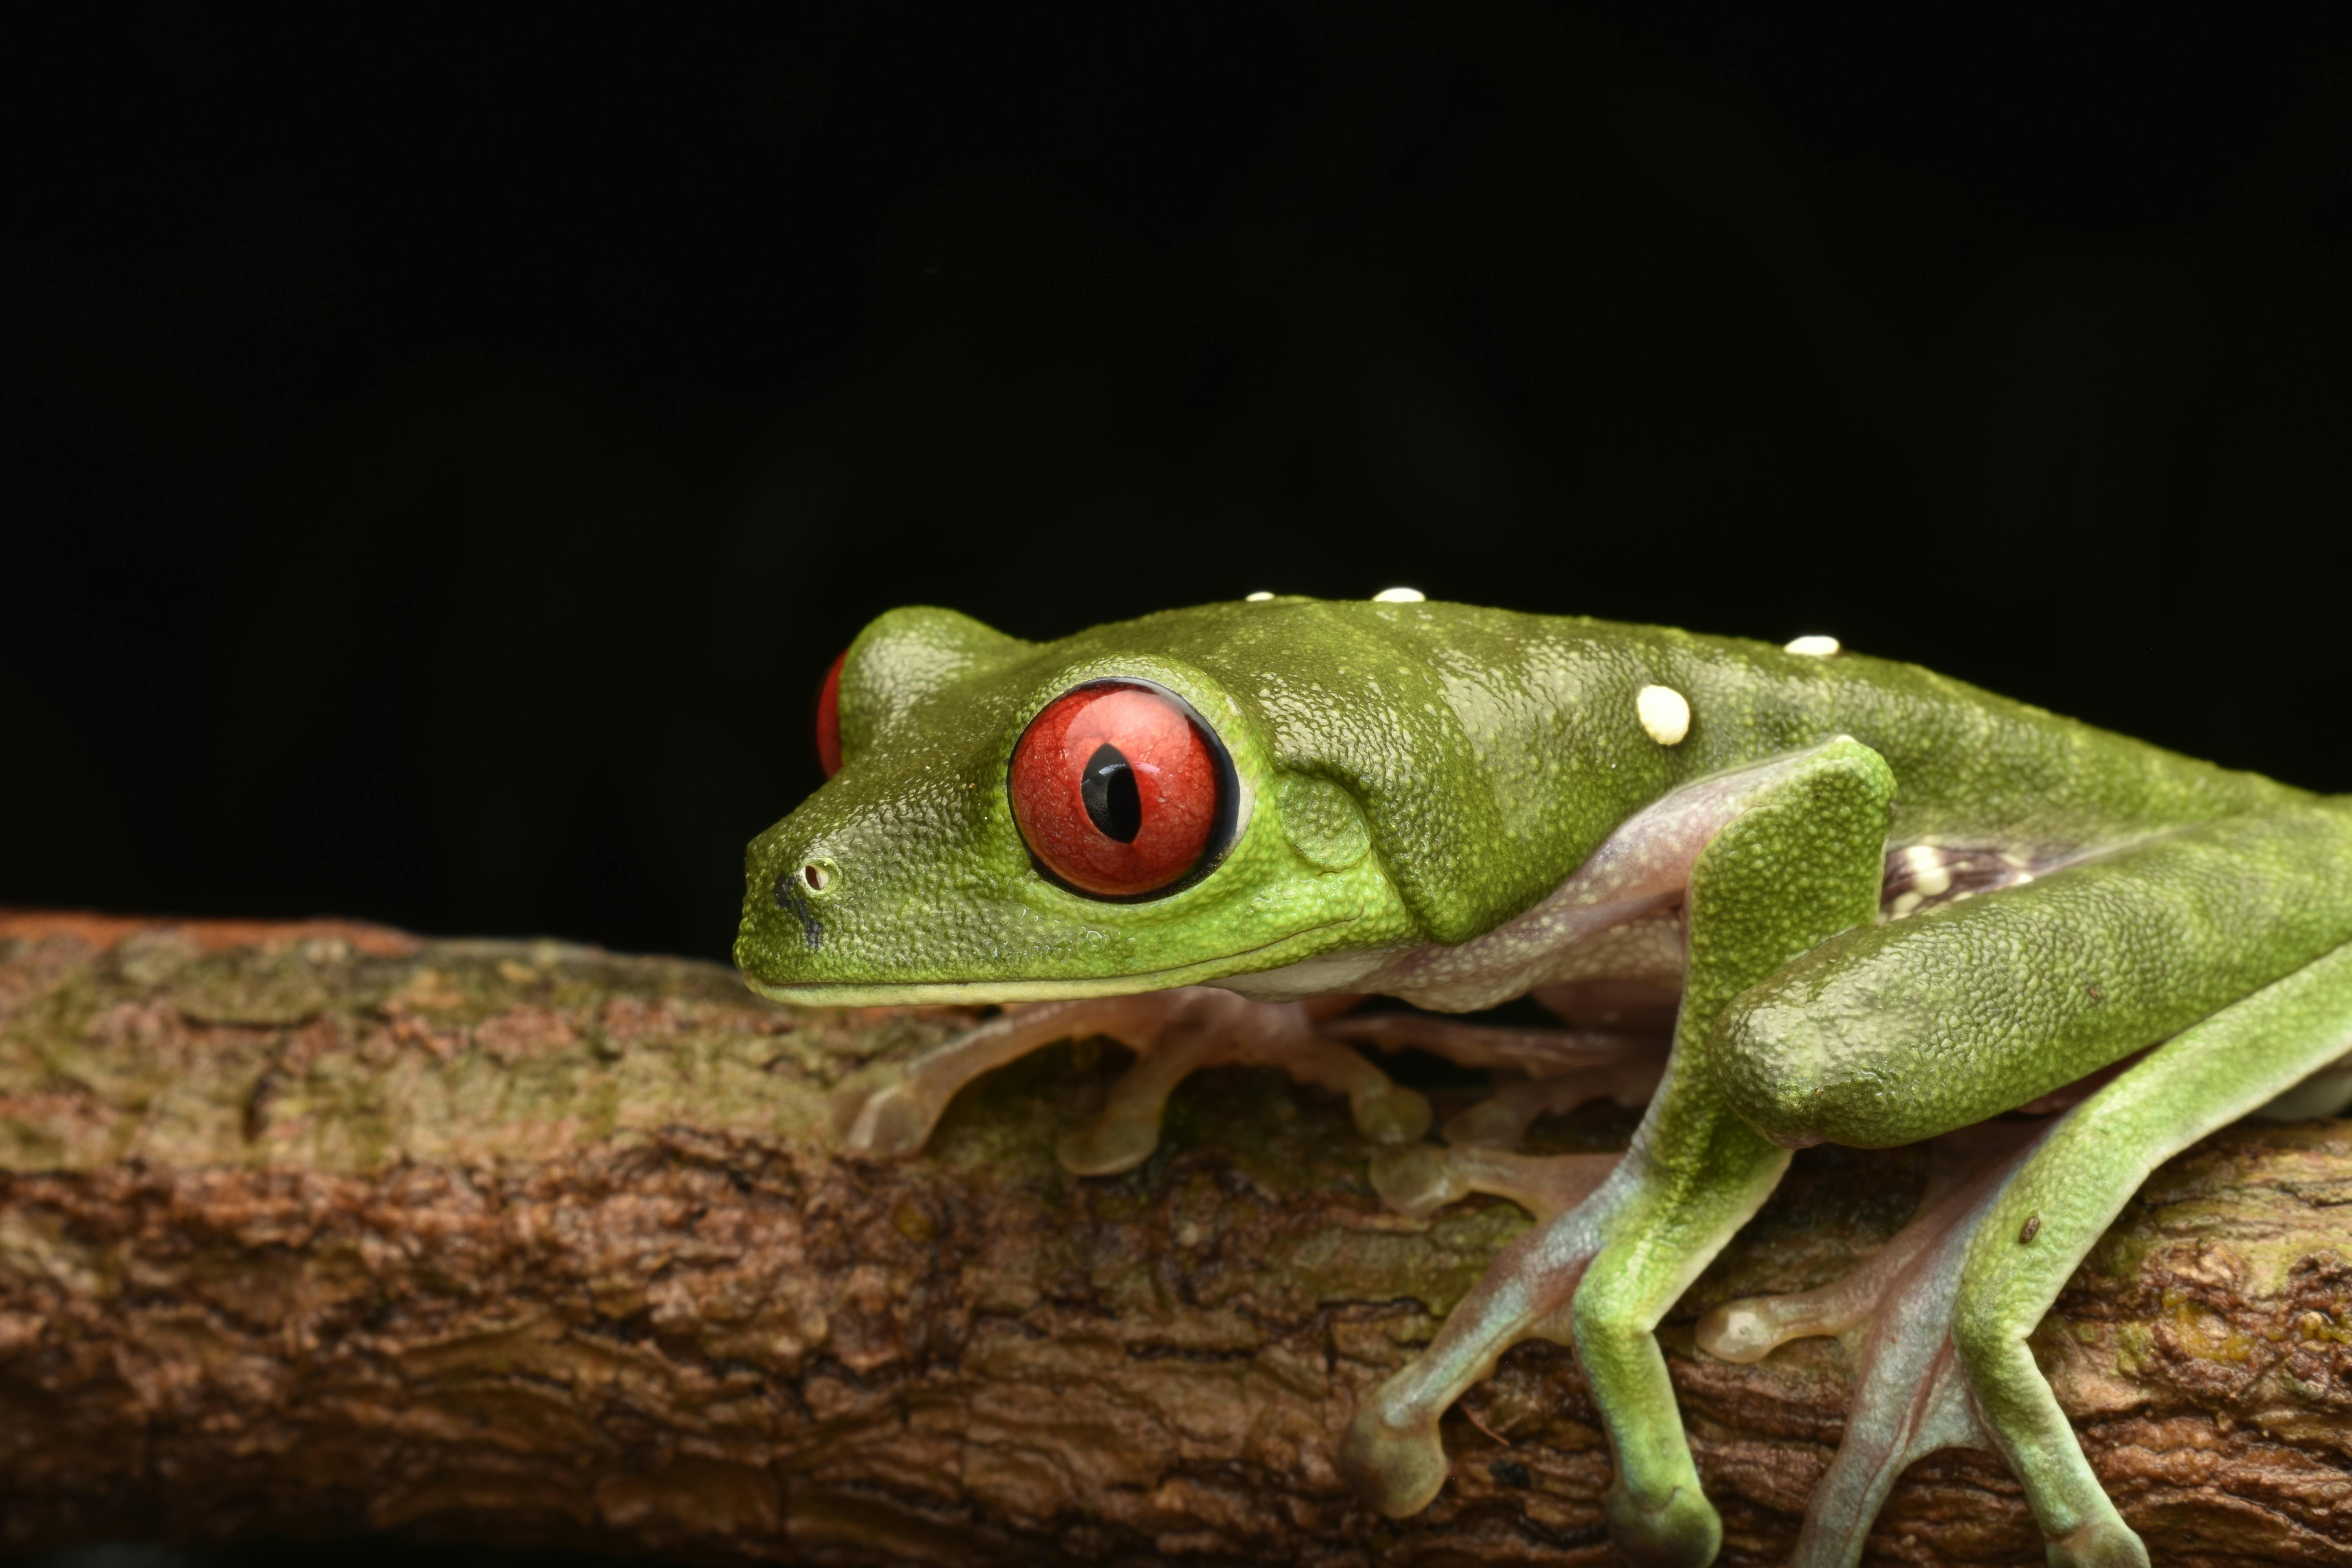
{"x":437,"y":461}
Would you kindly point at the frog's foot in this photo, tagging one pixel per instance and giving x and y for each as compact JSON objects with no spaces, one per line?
{"x":1895,"y":1313}
{"x":1422,"y":1179}
{"x":1392,"y":1455}
{"x":1501,"y":1120}
{"x":1568,"y":1068}
{"x":1202,"y":1026}
{"x":887,"y":1110}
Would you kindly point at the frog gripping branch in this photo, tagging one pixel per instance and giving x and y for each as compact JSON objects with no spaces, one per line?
{"x":1894,"y":909}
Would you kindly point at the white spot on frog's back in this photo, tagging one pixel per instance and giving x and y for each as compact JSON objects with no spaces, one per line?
{"x":1260,"y":597}
{"x":1813,"y":645}
{"x":1664,"y":713}
{"x":1398,"y":596}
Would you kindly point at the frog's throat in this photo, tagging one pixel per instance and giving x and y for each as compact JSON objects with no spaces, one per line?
{"x":978,"y":993}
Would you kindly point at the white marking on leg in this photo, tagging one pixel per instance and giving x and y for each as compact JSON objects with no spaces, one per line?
{"x":1931,"y":878}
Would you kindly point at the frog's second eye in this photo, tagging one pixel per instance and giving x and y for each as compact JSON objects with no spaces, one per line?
{"x":828,"y":718}
{"x":1121,"y":791}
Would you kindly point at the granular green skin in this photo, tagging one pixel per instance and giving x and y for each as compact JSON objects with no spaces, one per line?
{"x":1487,"y":751}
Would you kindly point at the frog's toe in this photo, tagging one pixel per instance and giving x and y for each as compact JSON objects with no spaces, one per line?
{"x":2104,"y":1541}
{"x":1501,"y":1120}
{"x":1422,"y":1179}
{"x":1386,"y":1113}
{"x":1753,"y":1327}
{"x":1398,"y":1468}
{"x":1108,"y":1145}
{"x":1566,"y":1067}
{"x":880,"y":1115}
{"x":1684,"y":1531}
{"x":887,"y":1109}
{"x":1417,"y":1180}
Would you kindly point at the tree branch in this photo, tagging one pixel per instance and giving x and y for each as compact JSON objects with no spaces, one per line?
{"x":316,"y":1227}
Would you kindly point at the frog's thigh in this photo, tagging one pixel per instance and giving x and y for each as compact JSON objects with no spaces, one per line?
{"x":1893,"y":1033}
{"x":2073,"y":1186}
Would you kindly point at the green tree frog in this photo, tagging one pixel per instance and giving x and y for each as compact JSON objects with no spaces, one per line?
{"x":1860,"y":902}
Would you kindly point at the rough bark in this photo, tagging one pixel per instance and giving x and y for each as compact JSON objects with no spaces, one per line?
{"x":323,"y":1227}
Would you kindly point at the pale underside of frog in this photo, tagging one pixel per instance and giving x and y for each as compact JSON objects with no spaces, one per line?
{"x":1866,"y":905}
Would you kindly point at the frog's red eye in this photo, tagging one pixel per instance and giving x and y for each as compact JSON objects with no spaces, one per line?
{"x":1121,"y":791}
{"x":828,"y":718}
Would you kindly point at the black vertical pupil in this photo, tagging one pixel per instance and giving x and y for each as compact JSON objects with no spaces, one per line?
{"x":1112,"y":800}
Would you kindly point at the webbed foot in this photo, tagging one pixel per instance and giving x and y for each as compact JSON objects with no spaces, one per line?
{"x":1581,"y":1068}
{"x":887,"y":1110}
{"x":1896,"y":1312}
{"x":1502,"y":1119}
{"x":1393,"y":1457}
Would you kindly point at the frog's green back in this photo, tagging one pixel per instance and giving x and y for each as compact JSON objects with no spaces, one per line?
{"x":1488,"y":753}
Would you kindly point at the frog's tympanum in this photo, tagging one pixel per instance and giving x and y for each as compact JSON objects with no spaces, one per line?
{"x":1866,"y":904}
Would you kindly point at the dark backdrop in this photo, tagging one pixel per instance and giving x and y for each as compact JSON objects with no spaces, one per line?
{"x":437,"y":463}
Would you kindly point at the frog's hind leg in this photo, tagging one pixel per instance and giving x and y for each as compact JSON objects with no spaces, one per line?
{"x":887,"y":1110}
{"x":2045,"y":1220}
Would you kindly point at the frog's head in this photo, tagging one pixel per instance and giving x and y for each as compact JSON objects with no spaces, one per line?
{"x":1106,"y":814}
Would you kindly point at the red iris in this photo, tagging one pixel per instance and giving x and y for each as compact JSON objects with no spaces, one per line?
{"x":1117,"y":789}
{"x":828,"y":718}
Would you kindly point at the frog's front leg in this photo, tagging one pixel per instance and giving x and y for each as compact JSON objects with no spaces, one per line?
{"x":1788,"y":857}
{"x":887,"y":1110}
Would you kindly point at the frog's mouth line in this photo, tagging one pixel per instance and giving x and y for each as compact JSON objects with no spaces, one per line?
{"x":980,"y":992}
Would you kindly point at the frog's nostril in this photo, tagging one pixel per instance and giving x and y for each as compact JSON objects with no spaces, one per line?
{"x":798,"y":892}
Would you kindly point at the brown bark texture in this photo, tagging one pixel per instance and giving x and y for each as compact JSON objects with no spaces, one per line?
{"x":320,"y":1228}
